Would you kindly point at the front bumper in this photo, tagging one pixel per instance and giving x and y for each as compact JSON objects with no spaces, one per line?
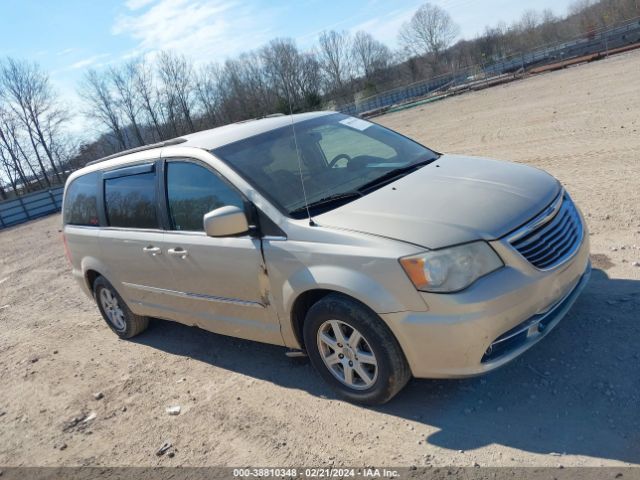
{"x":493,"y":321}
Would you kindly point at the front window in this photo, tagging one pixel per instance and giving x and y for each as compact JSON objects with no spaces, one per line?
{"x":341,"y":158}
{"x":193,"y":191}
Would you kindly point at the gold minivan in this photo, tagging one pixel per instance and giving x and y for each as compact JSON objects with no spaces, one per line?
{"x":340,"y":239}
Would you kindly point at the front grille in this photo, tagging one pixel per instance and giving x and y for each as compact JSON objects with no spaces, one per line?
{"x":552,"y":237}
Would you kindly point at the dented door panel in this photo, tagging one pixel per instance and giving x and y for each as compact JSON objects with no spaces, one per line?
{"x":221,"y":285}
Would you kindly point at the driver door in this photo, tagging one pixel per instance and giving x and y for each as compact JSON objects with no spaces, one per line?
{"x":220,"y":284}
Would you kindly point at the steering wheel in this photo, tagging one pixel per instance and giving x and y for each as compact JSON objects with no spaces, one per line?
{"x":339,"y":157}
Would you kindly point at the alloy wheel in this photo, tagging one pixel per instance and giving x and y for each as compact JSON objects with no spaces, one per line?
{"x":112,"y":309}
{"x":347,"y":354}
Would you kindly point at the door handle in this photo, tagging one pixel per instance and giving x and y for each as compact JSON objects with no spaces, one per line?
{"x":178,"y":252}
{"x":152,"y":250}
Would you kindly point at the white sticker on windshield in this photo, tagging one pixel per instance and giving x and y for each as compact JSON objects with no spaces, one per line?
{"x":356,"y":123}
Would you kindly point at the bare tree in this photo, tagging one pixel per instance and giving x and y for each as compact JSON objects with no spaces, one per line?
{"x":590,"y":15}
{"x":335,"y":59}
{"x":527,"y":30}
{"x":233,"y":101}
{"x":489,"y":46}
{"x":294,"y":76}
{"x":14,"y":153}
{"x":247,"y":94}
{"x":123,"y":79}
{"x":9,"y":171}
{"x":283,"y":66}
{"x":148,"y":96}
{"x":430,"y":31}
{"x":9,"y":155}
{"x":100,"y":104}
{"x":208,"y":93}
{"x":310,"y":80}
{"x":260,"y":96}
{"x":27,"y":92}
{"x":177,"y":78}
{"x":369,"y":55}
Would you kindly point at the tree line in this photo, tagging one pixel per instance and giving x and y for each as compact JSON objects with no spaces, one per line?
{"x":33,"y":146}
{"x":150,"y":99}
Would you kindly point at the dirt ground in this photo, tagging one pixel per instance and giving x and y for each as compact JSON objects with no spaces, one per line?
{"x":574,"y":399}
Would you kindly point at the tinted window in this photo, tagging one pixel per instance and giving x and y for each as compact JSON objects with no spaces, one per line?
{"x":81,"y":201}
{"x":131,"y":201}
{"x":192,"y":191}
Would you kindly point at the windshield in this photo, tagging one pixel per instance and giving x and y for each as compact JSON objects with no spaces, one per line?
{"x":342,"y":158}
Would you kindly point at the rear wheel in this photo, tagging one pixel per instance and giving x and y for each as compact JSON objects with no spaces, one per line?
{"x":354,"y":351}
{"x":115,"y":311}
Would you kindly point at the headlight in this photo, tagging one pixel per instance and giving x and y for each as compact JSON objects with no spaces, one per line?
{"x":451,"y":269}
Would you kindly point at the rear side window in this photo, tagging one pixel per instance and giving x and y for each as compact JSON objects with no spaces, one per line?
{"x":131,"y":201}
{"x":192,"y":191}
{"x":81,"y":201}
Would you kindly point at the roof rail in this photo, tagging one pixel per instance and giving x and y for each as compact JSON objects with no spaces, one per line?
{"x":166,"y":143}
{"x":270,"y":115}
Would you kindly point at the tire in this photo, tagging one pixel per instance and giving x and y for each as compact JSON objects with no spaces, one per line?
{"x":377,"y":353}
{"x":124,"y":322}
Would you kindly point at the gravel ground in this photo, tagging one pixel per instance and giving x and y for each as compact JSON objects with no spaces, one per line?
{"x":574,"y":399}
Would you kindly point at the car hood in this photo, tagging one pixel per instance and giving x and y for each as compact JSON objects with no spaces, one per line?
{"x":455,"y":199}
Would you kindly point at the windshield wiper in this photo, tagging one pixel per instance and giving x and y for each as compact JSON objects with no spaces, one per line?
{"x":393,"y":174}
{"x":338,"y":199}
{"x":327,"y":201}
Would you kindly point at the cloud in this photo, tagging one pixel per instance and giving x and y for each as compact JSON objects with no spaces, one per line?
{"x":87,"y":62}
{"x":385,"y":28}
{"x":137,"y":4}
{"x":202,"y":29}
{"x":66,"y":51}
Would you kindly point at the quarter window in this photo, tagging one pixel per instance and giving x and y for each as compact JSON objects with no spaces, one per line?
{"x":131,"y":201}
{"x":193,"y":191}
{"x":81,"y":201}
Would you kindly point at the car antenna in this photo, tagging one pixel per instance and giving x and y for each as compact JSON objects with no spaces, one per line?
{"x":295,"y":141}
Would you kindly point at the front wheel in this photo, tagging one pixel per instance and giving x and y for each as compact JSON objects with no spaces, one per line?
{"x":354,"y":351}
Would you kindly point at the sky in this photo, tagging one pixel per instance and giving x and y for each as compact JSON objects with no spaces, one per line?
{"x":68,"y":36}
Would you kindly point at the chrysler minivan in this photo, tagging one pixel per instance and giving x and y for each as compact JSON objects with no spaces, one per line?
{"x":333,"y":236}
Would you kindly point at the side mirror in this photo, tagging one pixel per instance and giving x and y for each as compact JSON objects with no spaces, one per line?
{"x":225,"y":222}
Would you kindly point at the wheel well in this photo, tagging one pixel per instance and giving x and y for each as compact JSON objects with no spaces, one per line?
{"x":91,"y":276}
{"x":305,"y":301}
{"x":301,"y":306}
